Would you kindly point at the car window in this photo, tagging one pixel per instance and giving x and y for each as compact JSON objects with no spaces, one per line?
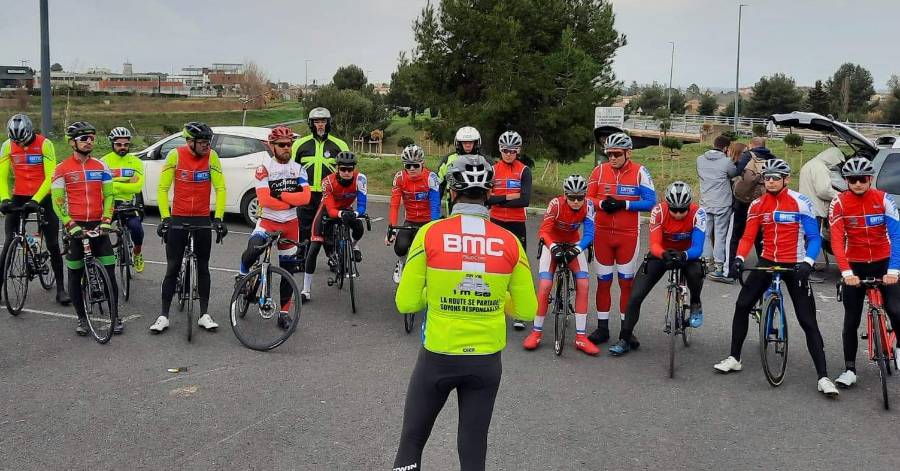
{"x":169,"y":145}
{"x":234,"y":146}
{"x":889,"y":175}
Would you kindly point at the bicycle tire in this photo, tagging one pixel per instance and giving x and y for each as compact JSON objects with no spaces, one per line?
{"x":17,"y":279}
{"x":672,"y":322}
{"x":560,"y":311}
{"x":686,"y":328}
{"x":100,"y":321}
{"x":409,"y":321}
{"x":189,"y":299}
{"x":339,"y":276}
{"x":773,"y":312}
{"x":351,"y":274}
{"x":46,"y":275}
{"x":879,"y":354}
{"x":283,"y":335}
{"x":124,"y":262}
{"x":244,"y":301}
{"x":182,"y":285}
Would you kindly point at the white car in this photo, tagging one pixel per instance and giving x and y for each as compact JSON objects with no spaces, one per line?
{"x":241,"y":149}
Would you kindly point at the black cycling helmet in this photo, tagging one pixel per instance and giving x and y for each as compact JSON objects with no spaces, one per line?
{"x":345,"y":158}
{"x":197,"y":130}
{"x":80,"y":128}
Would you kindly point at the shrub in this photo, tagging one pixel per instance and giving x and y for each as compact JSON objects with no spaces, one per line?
{"x":405,"y":141}
{"x":760,"y":130}
{"x":672,"y":143}
{"x":793,"y":140}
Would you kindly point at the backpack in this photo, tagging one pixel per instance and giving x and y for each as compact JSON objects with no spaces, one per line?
{"x":749,"y":184}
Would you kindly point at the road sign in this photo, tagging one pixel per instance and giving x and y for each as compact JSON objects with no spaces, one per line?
{"x":609,"y":116}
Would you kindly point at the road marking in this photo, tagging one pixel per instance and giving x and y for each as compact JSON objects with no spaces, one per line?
{"x":73,"y":316}
{"x":227,"y":270}
{"x":215,"y":445}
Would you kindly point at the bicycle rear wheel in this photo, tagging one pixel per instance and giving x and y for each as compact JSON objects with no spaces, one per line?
{"x":560,"y":312}
{"x":880,"y":355}
{"x":99,"y":305}
{"x":351,"y":275}
{"x":182,"y":285}
{"x":191,"y":290}
{"x":15,"y":287}
{"x":673,"y":316}
{"x":409,"y":321}
{"x":264,"y":328}
{"x":773,"y":341}
{"x":45,"y":269}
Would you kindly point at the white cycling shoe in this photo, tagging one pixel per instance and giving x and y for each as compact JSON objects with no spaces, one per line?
{"x":206,"y":321}
{"x":305,"y":296}
{"x":728,"y":365}
{"x":398,"y":270}
{"x":161,"y":324}
{"x":846,"y":379}
{"x":827,"y":388}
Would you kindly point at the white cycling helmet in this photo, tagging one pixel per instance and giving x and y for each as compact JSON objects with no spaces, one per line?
{"x":618,"y":140}
{"x":470,"y":172}
{"x":19,"y":128}
{"x":412,"y":154}
{"x":858,"y":167}
{"x":119,"y":133}
{"x":679,"y":195}
{"x":776,"y":167}
{"x":467,"y":134}
{"x":510,"y":139}
{"x":575,"y":185}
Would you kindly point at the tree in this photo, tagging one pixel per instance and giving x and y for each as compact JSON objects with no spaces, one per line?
{"x":402,"y":87}
{"x":694,"y":90}
{"x":349,"y":77}
{"x":56,"y":67}
{"x":353,"y":112}
{"x":633,"y":89}
{"x":817,"y":99}
{"x":708,"y":105}
{"x":539,"y":67}
{"x":891,"y":106}
{"x":728,"y":112}
{"x":651,"y":99}
{"x":254,"y":86}
{"x":678,"y":102}
{"x":794,"y":141}
{"x":775,"y":94}
{"x":850,"y":89}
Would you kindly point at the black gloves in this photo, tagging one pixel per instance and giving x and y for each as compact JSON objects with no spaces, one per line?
{"x":348,"y":216}
{"x":611,"y":205}
{"x":803,"y":271}
{"x":736,"y":266}
{"x":5,"y":206}
{"x":31,"y":206}
{"x":163,"y":228}
{"x":220,"y":228}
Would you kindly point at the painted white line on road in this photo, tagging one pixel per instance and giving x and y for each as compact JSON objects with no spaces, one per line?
{"x":73,"y":316}
{"x":227,"y":270}
{"x":215,"y":445}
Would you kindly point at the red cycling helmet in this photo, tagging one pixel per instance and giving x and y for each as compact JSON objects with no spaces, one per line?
{"x":281,"y":132}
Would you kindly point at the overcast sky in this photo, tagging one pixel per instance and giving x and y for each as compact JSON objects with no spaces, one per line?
{"x":807,"y":39}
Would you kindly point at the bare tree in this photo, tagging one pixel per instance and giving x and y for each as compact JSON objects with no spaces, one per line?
{"x":254,"y":85}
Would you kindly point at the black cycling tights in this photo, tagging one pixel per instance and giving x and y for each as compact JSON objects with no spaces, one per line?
{"x":804,"y":306}
{"x":177,"y":240}
{"x":853,"y":299}
{"x":405,"y":238}
{"x":476,"y":379}
{"x":648,"y":275}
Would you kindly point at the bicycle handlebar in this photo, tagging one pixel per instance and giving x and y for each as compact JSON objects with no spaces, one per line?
{"x":772,"y":269}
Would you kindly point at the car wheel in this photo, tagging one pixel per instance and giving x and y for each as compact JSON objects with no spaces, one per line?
{"x":250,"y":208}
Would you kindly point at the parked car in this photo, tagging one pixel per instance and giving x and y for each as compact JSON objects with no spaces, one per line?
{"x":885,"y":160}
{"x":241,"y":149}
{"x":887,"y":142}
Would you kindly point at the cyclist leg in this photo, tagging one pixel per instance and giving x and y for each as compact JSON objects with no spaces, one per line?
{"x":10,"y":224}
{"x":476,"y":393}
{"x":649,"y":273}
{"x":754,"y":287}
{"x":176,"y":241}
{"x":425,"y":397}
{"x":626,"y":258}
{"x":75,"y":265}
{"x":853,"y":298}
{"x":405,"y":238}
{"x":307,"y":214}
{"x":604,"y":264}
{"x":133,"y":223}
{"x":579,"y":268}
{"x":202,"y":249}
{"x":546,"y":269}
{"x":255,"y":245}
{"x":320,"y":228}
{"x":805,"y":308}
{"x":50,"y":230}
{"x":693,"y":274}
{"x":287,"y":259}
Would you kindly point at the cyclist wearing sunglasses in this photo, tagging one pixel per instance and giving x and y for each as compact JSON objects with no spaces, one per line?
{"x":30,"y":159}
{"x":865,"y":238}
{"x":790,"y":238}
{"x":564,"y":216}
{"x":316,"y":152}
{"x":193,"y":171}
{"x":677,"y":234}
{"x":83,"y":195}
{"x":419,"y":190}
{"x":620,"y":189}
{"x":339,"y":191}
{"x":128,"y":181}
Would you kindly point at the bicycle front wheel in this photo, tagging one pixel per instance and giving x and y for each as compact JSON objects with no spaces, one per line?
{"x":560,"y":314}
{"x":409,"y":321}
{"x":880,"y":355}
{"x":673,"y":321}
{"x":351,"y":275}
{"x":773,"y":340}
{"x":45,"y":269}
{"x":276,"y":313}
{"x":15,"y":287}
{"x":190,"y":294}
{"x":99,"y":304}
{"x":686,"y":328}
{"x":123,"y":260}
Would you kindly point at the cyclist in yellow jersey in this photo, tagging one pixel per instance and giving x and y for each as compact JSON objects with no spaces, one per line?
{"x":128,"y":180}
{"x":462,"y":269}
{"x":30,"y":159}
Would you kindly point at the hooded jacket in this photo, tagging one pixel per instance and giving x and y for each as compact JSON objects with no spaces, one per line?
{"x":815,"y":179}
{"x":716,"y":171}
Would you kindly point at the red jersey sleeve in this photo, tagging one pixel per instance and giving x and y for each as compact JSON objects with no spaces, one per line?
{"x":754,"y":220}
{"x":328,"y":198}
{"x":546,"y":230}
{"x":593,"y":188}
{"x":396,"y":197}
{"x":838,"y":234}
{"x":656,"y":232}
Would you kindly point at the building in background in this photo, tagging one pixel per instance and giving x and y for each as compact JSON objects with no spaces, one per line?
{"x":14,"y":77}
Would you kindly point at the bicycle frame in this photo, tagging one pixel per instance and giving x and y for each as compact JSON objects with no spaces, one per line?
{"x":773,"y":290}
{"x":875,"y":317}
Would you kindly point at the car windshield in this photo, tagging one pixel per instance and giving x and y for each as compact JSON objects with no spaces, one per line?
{"x":889,"y":175}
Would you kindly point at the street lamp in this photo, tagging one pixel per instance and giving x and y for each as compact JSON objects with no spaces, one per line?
{"x":737,"y":71}
{"x":671,"y":70}
{"x":46,"y":98}
{"x":306,"y":74}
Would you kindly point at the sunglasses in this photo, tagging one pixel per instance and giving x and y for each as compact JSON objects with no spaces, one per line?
{"x":85,"y":138}
{"x":575,"y":197}
{"x":678,"y":210}
{"x":346,"y":169}
{"x":506,"y":150}
{"x":282,"y":145}
{"x":615,"y":154}
{"x":412,"y":166}
{"x":772,"y":178}
{"x":122,"y":144}
{"x":858,"y":179}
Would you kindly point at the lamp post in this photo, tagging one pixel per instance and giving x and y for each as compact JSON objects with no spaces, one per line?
{"x":671,"y":70}
{"x":46,"y":99}
{"x":737,"y":71}
{"x":306,"y":75}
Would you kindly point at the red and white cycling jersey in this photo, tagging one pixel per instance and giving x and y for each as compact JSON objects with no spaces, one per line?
{"x":864,"y":228}
{"x":789,"y":228}
{"x":685,"y":235}
{"x":631,"y":183}
{"x":285,"y":178}
{"x":420,"y":197}
{"x":561,"y":223}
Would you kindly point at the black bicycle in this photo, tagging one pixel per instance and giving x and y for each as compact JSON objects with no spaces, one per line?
{"x":97,"y":291}
{"x":677,"y":323}
{"x":563,"y":290}
{"x":342,"y":258}
{"x":27,"y":258}
{"x":773,"y":330}
{"x":409,"y":320}
{"x":124,"y":245}
{"x":186,"y":283}
{"x":274,"y":292}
